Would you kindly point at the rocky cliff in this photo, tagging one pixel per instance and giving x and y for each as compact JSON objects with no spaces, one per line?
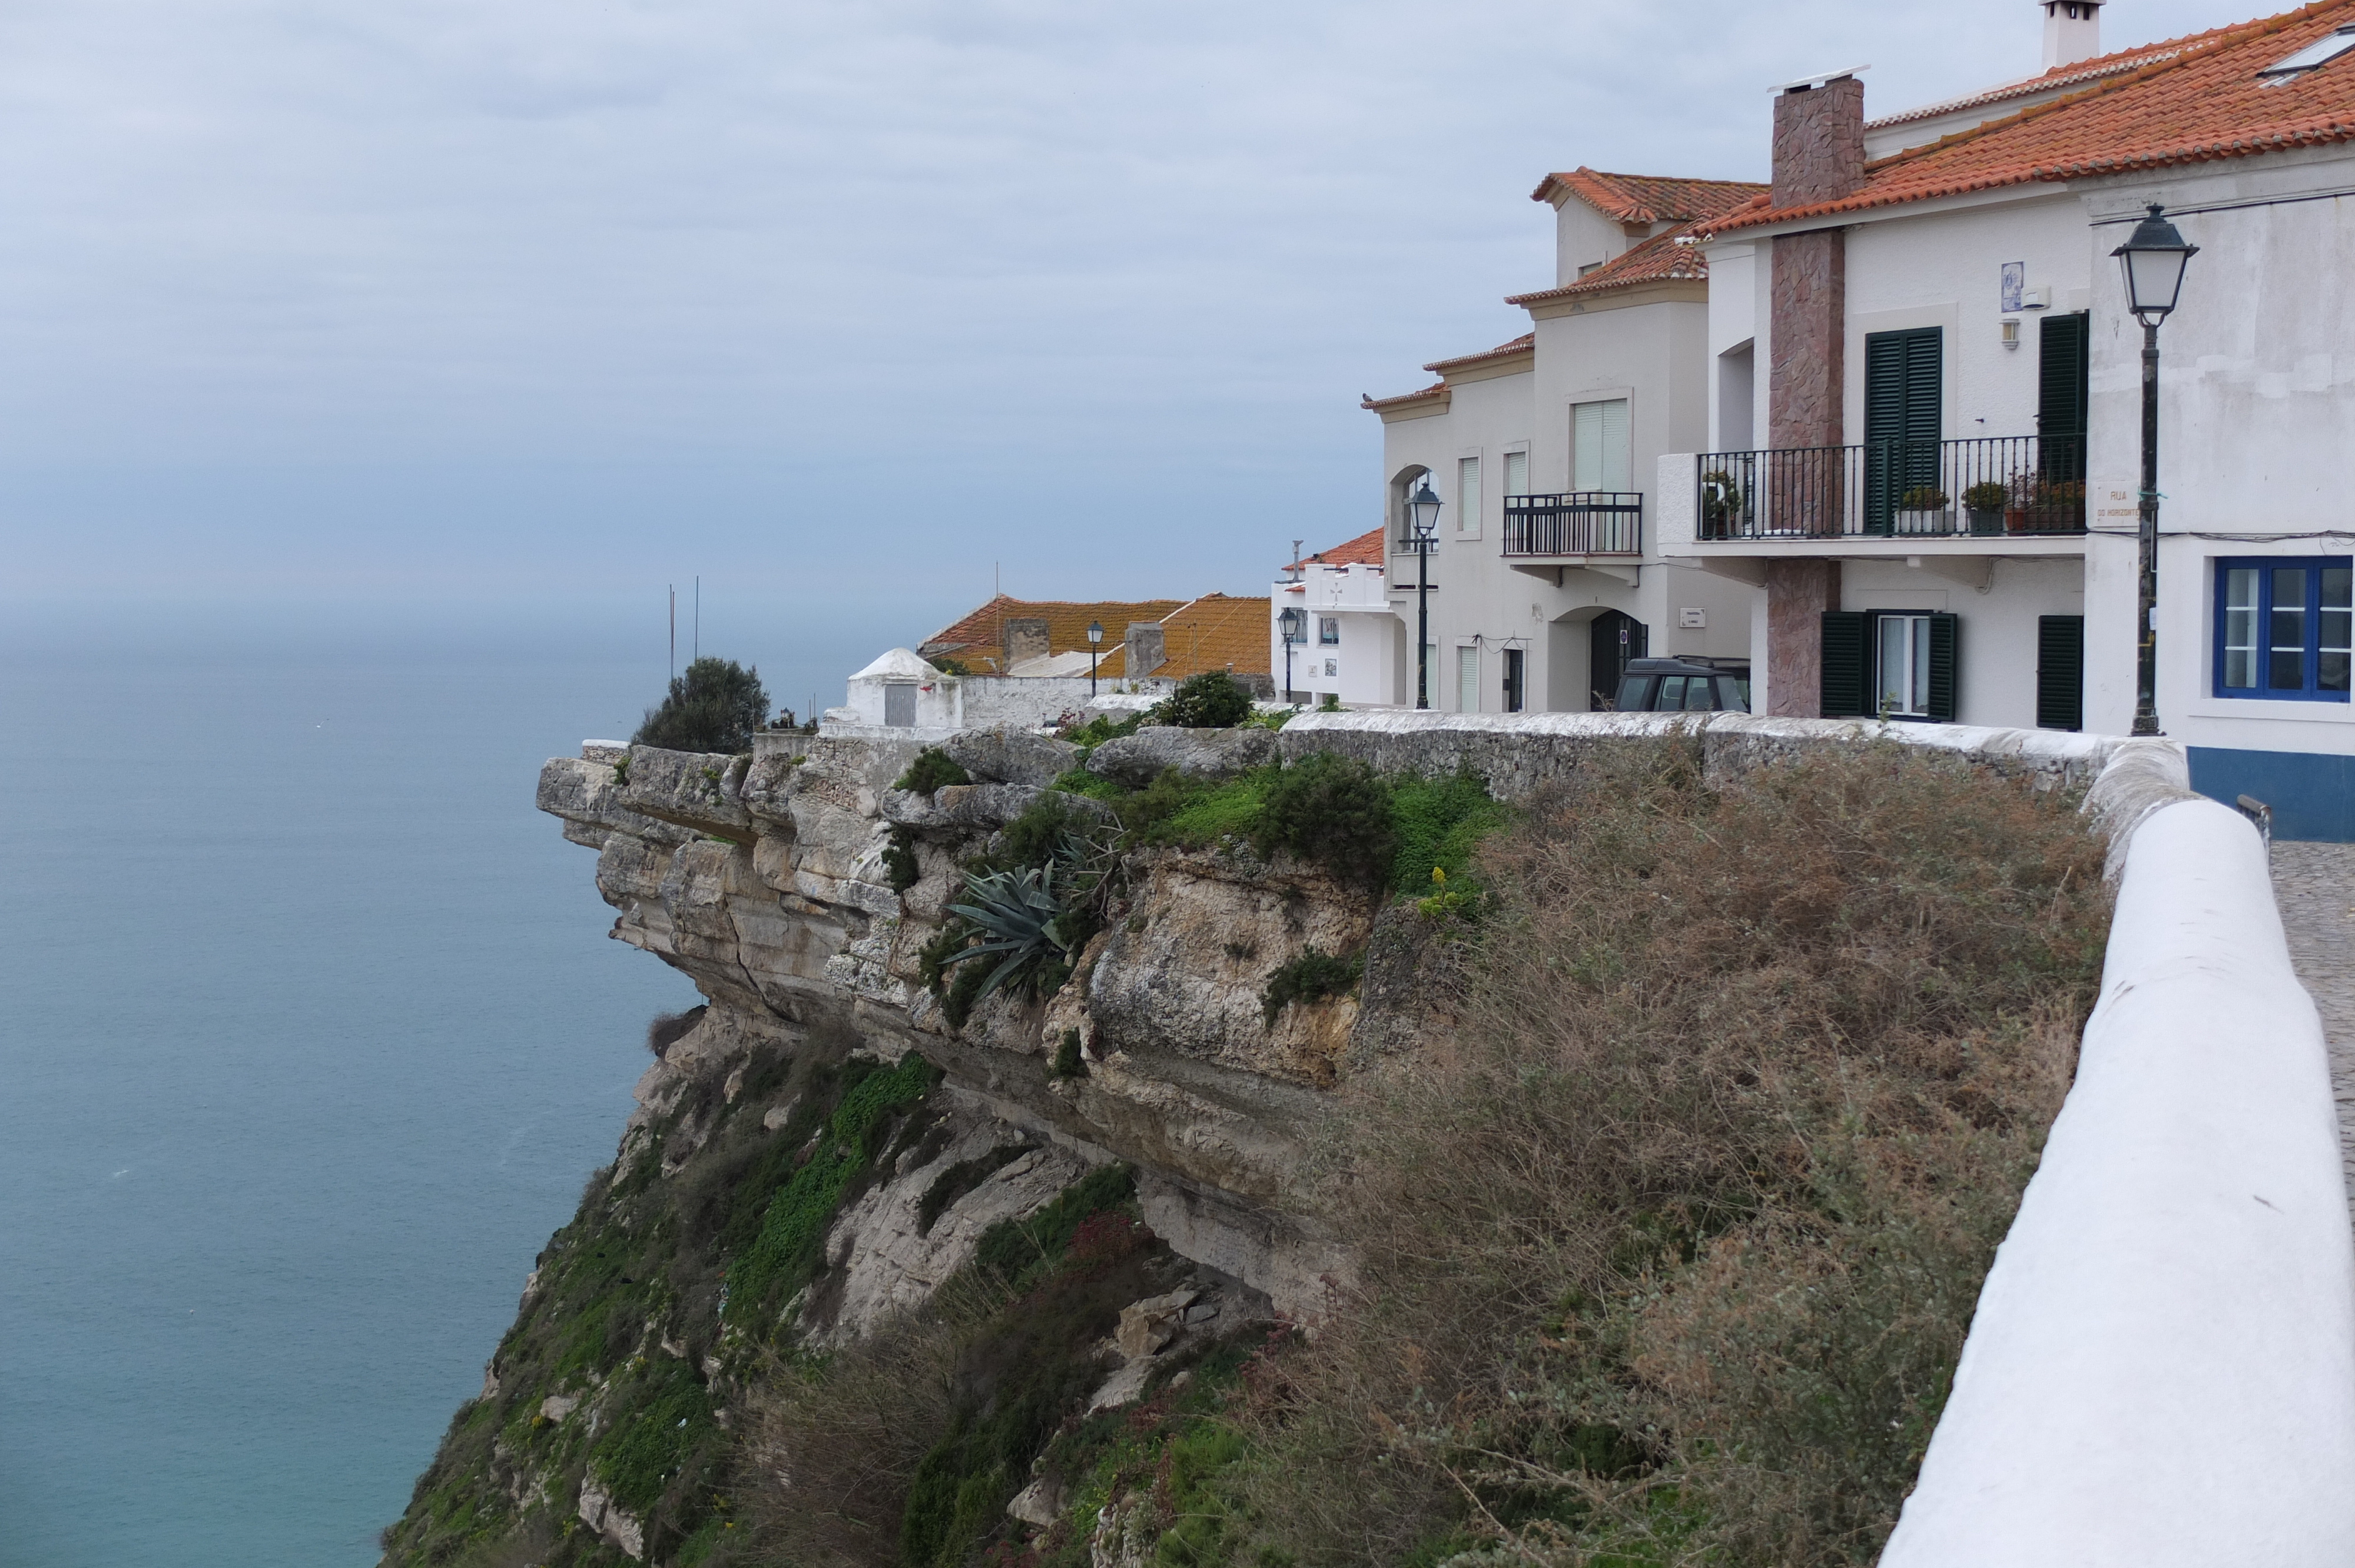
{"x":819,"y":1150}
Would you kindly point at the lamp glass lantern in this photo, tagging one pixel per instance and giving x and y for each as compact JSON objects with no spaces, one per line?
{"x":2152,"y":259}
{"x":1295,"y":625}
{"x":1423,"y":511}
{"x":1095,"y":640}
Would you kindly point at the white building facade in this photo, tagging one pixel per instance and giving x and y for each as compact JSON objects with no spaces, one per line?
{"x":1545,"y":575}
{"x":1925,"y":395}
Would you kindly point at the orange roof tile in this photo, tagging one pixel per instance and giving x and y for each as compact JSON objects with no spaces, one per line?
{"x":1368,"y":549}
{"x":1215,"y":633}
{"x":1212,"y":632}
{"x":2203,"y":101}
{"x":2099,"y":69}
{"x":1521,"y":345}
{"x":1664,"y":256}
{"x":1647,"y":199}
{"x":978,"y":640}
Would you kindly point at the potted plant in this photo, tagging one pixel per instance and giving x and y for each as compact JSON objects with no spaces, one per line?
{"x":1923,"y":510}
{"x":1720,"y":504}
{"x":2058,"y":505}
{"x":1985,"y":504}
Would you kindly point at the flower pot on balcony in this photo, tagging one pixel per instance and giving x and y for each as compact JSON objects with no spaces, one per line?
{"x":2015,"y":519}
{"x":1986,"y":519}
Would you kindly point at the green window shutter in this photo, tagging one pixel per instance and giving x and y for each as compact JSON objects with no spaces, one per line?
{"x":2061,"y":376}
{"x":2061,"y":671}
{"x":1944,"y":628}
{"x":1904,"y":371}
{"x":1846,"y":664}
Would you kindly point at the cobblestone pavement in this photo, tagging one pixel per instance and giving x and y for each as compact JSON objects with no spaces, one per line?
{"x":2314,"y":887}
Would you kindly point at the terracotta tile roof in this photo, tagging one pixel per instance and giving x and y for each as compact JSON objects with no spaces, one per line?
{"x":2202,"y":101}
{"x":1212,"y":632}
{"x":2099,"y":69}
{"x":1664,"y":256}
{"x":1366,"y":550}
{"x":1647,"y":199}
{"x":1215,"y":633}
{"x":1521,"y":345}
{"x":1368,"y":400}
{"x":978,"y":640}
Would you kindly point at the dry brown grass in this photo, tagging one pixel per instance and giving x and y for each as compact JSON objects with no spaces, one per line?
{"x":1671,"y":1244}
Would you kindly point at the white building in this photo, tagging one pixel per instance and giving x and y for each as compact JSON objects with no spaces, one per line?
{"x":1543,"y":451}
{"x":1928,"y":304}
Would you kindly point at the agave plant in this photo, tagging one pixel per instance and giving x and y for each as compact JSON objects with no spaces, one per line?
{"x":1018,"y":914}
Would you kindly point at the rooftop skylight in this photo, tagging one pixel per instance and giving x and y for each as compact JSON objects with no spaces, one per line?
{"x":2319,"y":52}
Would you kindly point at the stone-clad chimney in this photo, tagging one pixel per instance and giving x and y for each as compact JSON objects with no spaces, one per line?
{"x":1819,"y":157}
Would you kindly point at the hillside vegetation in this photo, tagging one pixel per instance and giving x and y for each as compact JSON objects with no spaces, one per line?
{"x":1669,"y":1213}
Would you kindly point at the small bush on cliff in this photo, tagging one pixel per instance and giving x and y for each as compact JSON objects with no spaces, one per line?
{"x":669,"y":1028}
{"x":932,"y":768}
{"x":1335,"y":811}
{"x":1314,"y":976}
{"x":900,"y":860}
{"x":715,"y":707}
{"x":1212,"y":700}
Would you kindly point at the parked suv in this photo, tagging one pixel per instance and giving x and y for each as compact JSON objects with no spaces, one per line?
{"x":1687,"y":684}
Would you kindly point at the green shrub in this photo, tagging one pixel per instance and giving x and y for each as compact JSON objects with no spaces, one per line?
{"x":948,"y":666}
{"x":1020,"y":916}
{"x":715,"y":707}
{"x":1095,"y":786}
{"x":1018,"y":1251}
{"x":1336,"y":813}
{"x":1212,"y":700}
{"x":900,"y":860}
{"x":1199,"y":815}
{"x":1314,"y":976}
{"x":1104,"y":727}
{"x":1440,"y":821}
{"x":932,"y":768}
{"x":787,"y":1252}
{"x":1070,"y":1061}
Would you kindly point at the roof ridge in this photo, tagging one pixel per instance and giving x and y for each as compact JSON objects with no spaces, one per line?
{"x":2217,"y":38}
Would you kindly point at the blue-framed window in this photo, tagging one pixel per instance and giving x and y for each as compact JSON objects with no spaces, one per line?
{"x":2285,"y":627}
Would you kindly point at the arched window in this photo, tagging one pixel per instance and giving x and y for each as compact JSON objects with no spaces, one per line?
{"x":1409,"y":480}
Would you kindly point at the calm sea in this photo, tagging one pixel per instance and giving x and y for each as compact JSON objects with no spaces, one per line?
{"x":309,"y":1035}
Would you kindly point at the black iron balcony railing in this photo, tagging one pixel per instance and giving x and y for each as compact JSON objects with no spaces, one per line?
{"x":1576,"y":522}
{"x":1997,"y":485}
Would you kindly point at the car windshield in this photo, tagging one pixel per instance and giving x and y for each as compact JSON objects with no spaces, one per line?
{"x":1634,"y":693}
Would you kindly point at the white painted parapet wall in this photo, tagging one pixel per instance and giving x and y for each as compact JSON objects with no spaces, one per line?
{"x":2161,"y":1372}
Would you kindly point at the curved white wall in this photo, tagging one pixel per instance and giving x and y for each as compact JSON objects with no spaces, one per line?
{"x":2161,"y":1371}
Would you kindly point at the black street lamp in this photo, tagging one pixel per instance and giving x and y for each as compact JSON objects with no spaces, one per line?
{"x":2152,"y":259}
{"x":1294,"y":625}
{"x":1422,"y":517}
{"x":1095,"y":641}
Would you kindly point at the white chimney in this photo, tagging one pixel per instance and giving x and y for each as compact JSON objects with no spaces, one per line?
{"x":2072,"y":31}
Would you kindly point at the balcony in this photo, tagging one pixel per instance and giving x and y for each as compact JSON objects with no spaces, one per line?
{"x":1574,"y":524}
{"x":1995,"y":485}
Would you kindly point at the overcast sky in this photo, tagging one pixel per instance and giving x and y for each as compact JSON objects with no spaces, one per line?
{"x":829,"y":303}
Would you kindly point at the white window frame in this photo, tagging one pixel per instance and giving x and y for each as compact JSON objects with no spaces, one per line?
{"x":1470,"y":512}
{"x":1913,"y":679}
{"x":1467,"y":677}
{"x":1602,"y":446}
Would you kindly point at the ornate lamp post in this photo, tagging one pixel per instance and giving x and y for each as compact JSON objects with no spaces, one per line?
{"x":2152,"y":259}
{"x":1294,"y":625}
{"x":1422,"y":517}
{"x":1095,"y":643}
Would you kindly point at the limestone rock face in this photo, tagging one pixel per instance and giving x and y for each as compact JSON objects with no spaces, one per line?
{"x":619,"y":1529}
{"x":1011,"y":755}
{"x":763,"y":880}
{"x":1204,"y":754}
